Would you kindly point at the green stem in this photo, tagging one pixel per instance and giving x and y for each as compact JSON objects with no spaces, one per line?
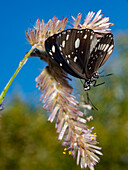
{"x":14,"y":75}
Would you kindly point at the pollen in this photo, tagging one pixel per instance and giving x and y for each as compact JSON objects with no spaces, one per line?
{"x":69,"y":152}
{"x":64,"y":153}
{"x":92,"y":138}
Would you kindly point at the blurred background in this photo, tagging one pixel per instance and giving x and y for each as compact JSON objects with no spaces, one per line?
{"x":27,"y":140}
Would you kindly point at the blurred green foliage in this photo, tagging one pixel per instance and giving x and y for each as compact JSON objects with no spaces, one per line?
{"x":29,"y":142}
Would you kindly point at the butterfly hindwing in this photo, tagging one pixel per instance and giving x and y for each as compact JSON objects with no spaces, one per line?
{"x":100,"y":54}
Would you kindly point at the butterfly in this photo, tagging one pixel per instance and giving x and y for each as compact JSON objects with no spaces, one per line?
{"x":80,"y":52}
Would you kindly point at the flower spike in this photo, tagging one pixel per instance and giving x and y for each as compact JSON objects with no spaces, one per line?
{"x":57,"y":97}
{"x":70,"y":124}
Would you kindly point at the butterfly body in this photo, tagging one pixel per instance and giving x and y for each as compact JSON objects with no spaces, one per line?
{"x":80,"y":53}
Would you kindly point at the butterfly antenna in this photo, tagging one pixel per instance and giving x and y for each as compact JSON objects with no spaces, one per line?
{"x":90,"y":102}
{"x":107,"y":75}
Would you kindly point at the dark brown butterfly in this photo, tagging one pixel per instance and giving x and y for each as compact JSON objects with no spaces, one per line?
{"x":80,"y":53}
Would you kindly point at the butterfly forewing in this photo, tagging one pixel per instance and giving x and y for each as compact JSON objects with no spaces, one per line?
{"x":100,"y":54}
{"x":55,"y":53}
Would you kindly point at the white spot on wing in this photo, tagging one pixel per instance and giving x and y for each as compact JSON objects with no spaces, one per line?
{"x":107,"y":45}
{"x":63,"y":44}
{"x":77,"y":43}
{"x":60,"y":48}
{"x":53,"y":49}
{"x":85,"y":36}
{"x":110,"y":52}
{"x":50,"y":52}
{"x":75,"y":58}
{"x":67,"y":37}
{"x":61,"y":64}
{"x":69,"y":56}
{"x":91,"y":37}
{"x":110,"y":47}
{"x":68,"y":61}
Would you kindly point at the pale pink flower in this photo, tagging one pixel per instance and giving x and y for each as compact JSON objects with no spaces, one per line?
{"x":97,"y":22}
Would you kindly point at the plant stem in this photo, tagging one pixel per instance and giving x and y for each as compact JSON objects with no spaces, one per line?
{"x":2,"y":96}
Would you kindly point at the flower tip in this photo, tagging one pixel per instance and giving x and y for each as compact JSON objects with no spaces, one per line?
{"x":111,"y":24}
{"x":80,"y":14}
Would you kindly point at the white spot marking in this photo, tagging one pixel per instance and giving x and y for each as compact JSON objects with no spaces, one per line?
{"x":91,"y":62}
{"x":82,"y":52}
{"x":68,"y":61}
{"x":50,"y":52}
{"x":77,"y":43}
{"x":67,"y":37}
{"x":104,"y":45}
{"x":53,"y":49}
{"x":110,"y":52}
{"x":75,"y":58}
{"x":66,"y":56}
{"x":85,"y":36}
{"x":91,"y":37}
{"x":110,"y":47}
{"x":81,"y":31}
{"x":60,"y":48}
{"x":61,"y":64}
{"x":68,"y":30}
{"x":64,"y":32}
{"x":69,"y":56}
{"x":89,"y":68}
{"x":96,"y":48}
{"x":63,"y":43}
{"x":107,"y":45}
{"x":99,"y":47}
{"x":72,"y":52}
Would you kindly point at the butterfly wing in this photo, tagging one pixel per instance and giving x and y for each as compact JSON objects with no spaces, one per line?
{"x":71,"y":49}
{"x":100,"y":54}
{"x":53,"y":50}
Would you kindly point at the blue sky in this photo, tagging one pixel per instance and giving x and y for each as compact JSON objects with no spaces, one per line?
{"x":17,"y":16}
